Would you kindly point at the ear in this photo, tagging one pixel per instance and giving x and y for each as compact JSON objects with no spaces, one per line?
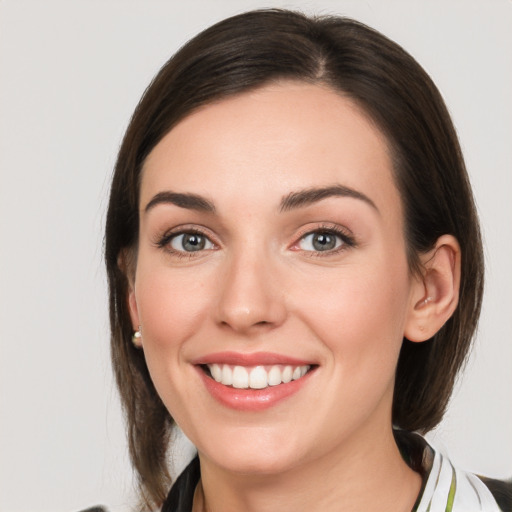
{"x":125,"y":264}
{"x":435,"y":293}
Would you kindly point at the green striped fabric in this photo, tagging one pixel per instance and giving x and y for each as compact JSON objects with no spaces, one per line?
{"x":445,"y":488}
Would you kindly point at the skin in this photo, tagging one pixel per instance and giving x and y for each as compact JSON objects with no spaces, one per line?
{"x":259,"y":285}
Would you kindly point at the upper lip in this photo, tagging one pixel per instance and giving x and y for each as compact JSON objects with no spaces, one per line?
{"x":252,"y":359}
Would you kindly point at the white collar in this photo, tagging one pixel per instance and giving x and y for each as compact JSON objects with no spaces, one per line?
{"x":448,"y":489}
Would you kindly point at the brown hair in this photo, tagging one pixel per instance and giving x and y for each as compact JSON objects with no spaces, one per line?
{"x":245,"y":52}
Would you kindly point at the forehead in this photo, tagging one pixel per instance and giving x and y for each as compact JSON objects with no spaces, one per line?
{"x":281,"y":137}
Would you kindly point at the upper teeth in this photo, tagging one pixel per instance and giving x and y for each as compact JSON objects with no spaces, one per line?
{"x":256,"y":377}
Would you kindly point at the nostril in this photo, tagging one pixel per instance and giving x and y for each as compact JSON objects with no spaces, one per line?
{"x":261,"y":323}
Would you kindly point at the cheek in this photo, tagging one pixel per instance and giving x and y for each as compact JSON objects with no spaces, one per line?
{"x":171,"y":310}
{"x":170,"y":305}
{"x":359,"y":313}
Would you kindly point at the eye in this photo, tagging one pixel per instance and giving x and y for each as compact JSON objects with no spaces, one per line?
{"x":325,"y":240}
{"x":190,"y":242}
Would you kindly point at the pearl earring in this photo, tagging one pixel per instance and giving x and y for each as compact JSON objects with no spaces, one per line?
{"x":137,"y":338}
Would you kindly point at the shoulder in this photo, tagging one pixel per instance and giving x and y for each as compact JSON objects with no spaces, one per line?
{"x":447,"y":488}
{"x":501,"y":490}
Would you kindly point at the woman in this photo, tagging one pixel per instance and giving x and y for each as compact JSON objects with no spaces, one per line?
{"x":295,"y":272}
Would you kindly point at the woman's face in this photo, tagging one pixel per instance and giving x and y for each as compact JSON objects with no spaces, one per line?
{"x":271,"y":247}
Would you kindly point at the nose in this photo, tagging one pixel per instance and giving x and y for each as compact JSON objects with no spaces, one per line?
{"x":250,"y":300}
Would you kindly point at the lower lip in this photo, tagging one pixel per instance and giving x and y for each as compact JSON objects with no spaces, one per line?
{"x":251,"y":399}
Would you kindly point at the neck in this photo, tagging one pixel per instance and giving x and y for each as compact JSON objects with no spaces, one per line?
{"x":359,"y":476}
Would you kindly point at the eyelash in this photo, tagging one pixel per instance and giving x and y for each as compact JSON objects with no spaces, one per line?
{"x":347,"y":241}
{"x":164,"y":241}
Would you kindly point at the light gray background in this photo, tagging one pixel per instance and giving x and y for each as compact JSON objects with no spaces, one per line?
{"x":71,"y":73}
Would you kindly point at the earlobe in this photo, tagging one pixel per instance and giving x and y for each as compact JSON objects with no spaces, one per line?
{"x":134,"y":316}
{"x":436,"y":292}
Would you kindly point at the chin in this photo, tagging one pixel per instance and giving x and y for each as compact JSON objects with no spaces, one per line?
{"x":258,"y":453}
{"x":256,"y":463}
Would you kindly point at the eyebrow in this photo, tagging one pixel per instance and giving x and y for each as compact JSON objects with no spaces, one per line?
{"x":313,"y":195}
{"x":188,"y":201}
{"x":292,"y":201}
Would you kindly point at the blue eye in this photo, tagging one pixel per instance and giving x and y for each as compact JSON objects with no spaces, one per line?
{"x":190,"y":242}
{"x":321,"y":241}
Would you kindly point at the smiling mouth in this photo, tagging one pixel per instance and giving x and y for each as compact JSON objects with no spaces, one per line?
{"x":255,"y":377}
